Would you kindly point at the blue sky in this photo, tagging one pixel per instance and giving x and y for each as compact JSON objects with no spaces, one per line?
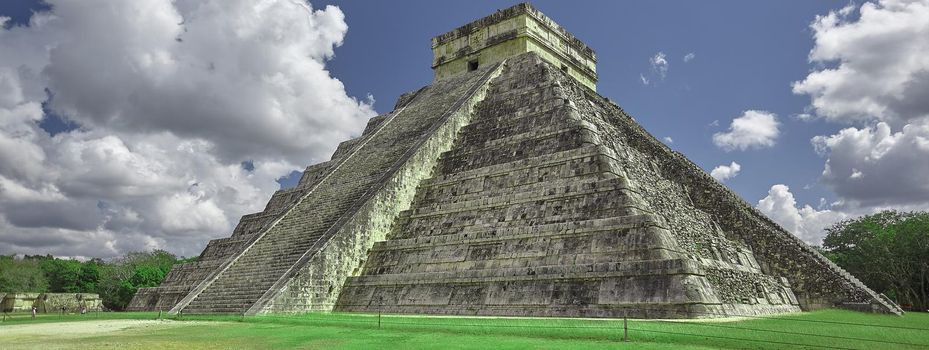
{"x":156,"y":124}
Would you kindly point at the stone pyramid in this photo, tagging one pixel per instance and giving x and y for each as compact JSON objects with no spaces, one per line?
{"x":509,"y":187}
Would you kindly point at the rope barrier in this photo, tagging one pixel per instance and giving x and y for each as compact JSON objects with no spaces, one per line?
{"x":760,"y":317}
{"x":619,"y":325}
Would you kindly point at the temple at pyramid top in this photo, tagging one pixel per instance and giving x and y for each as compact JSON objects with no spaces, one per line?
{"x":508,"y":33}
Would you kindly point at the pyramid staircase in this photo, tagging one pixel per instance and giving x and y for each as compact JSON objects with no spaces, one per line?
{"x":322,"y":205}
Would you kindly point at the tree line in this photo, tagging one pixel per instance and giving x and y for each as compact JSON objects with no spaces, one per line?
{"x":116,"y":281}
{"x":888,"y":251}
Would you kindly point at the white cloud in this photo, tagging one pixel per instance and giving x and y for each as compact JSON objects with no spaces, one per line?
{"x":724,"y":172}
{"x":804,"y":117}
{"x":805,"y":222}
{"x":659,"y":64}
{"x":874,"y":166}
{"x":871,"y":67}
{"x":658,"y":69}
{"x":668,"y":140}
{"x":870,"y":70}
{"x":873,"y":71}
{"x":753,"y":129}
{"x":216,"y":80}
{"x":856,"y":174}
{"x":847,"y":10}
{"x":689,"y":57}
{"x":169,"y":104}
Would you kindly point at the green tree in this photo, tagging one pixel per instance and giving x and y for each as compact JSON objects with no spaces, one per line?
{"x":63,"y":275}
{"x":116,"y":281}
{"x":21,"y":275}
{"x":888,"y":251}
{"x":143,"y":276}
{"x":89,"y":276}
{"x":121,"y":278}
{"x":112,"y":275}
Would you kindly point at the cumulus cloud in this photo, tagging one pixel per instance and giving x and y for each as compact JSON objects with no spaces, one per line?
{"x":872,"y":71}
{"x":869,"y":70}
{"x":689,"y":57}
{"x":668,"y":140}
{"x":217,"y":80}
{"x":876,"y":167}
{"x":170,"y":98}
{"x":873,"y":66}
{"x":725,"y":172}
{"x":753,"y":129}
{"x":805,"y":222}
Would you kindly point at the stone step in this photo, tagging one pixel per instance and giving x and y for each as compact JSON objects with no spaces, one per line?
{"x":207,"y":301}
{"x":634,"y":245}
{"x":516,"y":123}
{"x":256,"y":275}
{"x":239,"y":298}
{"x":488,"y":188}
{"x":554,"y":272}
{"x":254,"y":265}
{"x":477,"y":234}
{"x":526,"y":149}
{"x":509,"y":141}
{"x":251,"y":276}
{"x":604,"y":240}
{"x":581,"y":153}
{"x":526,"y":260}
{"x":211,"y":310}
{"x":578,"y":170}
{"x":533,"y":100}
{"x":242,"y":292}
{"x":237,"y":295}
{"x":596,"y":204}
{"x":491,"y":200}
{"x":227,"y":300}
{"x":445,"y":225}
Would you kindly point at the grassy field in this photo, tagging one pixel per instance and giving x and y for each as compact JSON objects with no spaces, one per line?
{"x":833,"y":329}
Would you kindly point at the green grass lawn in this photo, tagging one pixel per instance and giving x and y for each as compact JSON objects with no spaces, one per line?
{"x":821,"y":329}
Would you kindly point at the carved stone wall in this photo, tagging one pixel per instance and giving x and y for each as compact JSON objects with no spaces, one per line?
{"x":50,"y":302}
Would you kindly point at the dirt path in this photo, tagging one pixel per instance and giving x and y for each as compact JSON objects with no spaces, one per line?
{"x":82,"y":328}
{"x":68,"y":335}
